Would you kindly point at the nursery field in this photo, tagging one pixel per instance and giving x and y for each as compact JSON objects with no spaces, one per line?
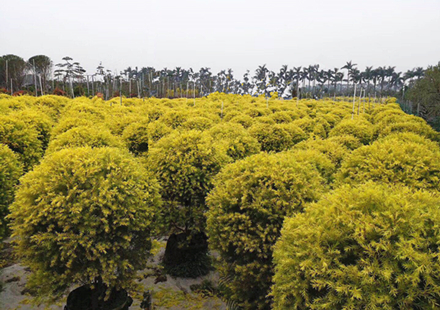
{"x":225,"y":201}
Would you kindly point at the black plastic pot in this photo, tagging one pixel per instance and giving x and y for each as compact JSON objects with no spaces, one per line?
{"x":185,"y":258}
{"x":84,"y":298}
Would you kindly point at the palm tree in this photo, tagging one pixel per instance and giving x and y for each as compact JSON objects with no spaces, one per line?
{"x":349,"y":66}
{"x":260,"y":76}
{"x":337,"y":77}
{"x":366,"y":77}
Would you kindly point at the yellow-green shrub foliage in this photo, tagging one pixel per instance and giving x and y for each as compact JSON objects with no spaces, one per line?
{"x":10,"y":171}
{"x":350,"y":142}
{"x":278,"y":137}
{"x":393,"y":161}
{"x":67,"y":123}
{"x":82,"y":108}
{"x":22,"y":139}
{"x":238,"y":142}
{"x":84,"y":136}
{"x":197,"y":123}
{"x":412,"y":137}
{"x":281,"y":117}
{"x":38,"y":120}
{"x":306,"y":124}
{"x":256,"y":112}
{"x":334,"y":150}
{"x":81,"y":214}
{"x":137,"y":138}
{"x":330,"y":118}
{"x":247,"y":206}
{"x":265,"y":120}
{"x":316,"y":158}
{"x":185,"y":163}
{"x":295,"y":132}
{"x":422,"y":129}
{"x":117,"y":122}
{"x":157,"y":130}
{"x":174,"y":118}
{"x":51,"y":104}
{"x":367,"y":247}
{"x":359,"y":128}
{"x":385,"y":116}
{"x":245,"y":120}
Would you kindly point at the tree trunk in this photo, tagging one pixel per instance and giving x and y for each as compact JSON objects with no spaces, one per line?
{"x":41,"y":87}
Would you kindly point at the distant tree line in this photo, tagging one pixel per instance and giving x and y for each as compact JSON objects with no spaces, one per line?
{"x":37,"y":77}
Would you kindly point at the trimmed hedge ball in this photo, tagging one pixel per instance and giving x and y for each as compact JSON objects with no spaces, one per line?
{"x":84,"y":214}
{"x":367,"y":247}
{"x":247,"y":206}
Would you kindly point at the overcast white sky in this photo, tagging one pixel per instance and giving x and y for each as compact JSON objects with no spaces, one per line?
{"x":221,"y":34}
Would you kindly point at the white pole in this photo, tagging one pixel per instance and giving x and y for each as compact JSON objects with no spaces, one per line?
{"x":354,"y":99}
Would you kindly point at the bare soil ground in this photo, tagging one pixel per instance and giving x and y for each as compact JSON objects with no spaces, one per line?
{"x":167,"y":292}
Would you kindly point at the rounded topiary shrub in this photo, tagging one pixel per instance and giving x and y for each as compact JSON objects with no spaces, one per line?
{"x":393,"y":161}
{"x":245,"y":120}
{"x":281,"y":117}
{"x":367,"y":247}
{"x":265,"y":120}
{"x":422,"y":129}
{"x":67,"y":123}
{"x":84,"y":136}
{"x":238,"y":142}
{"x":137,"y":138}
{"x":185,"y":164}
{"x":247,"y":206}
{"x":359,"y":128}
{"x":316,"y":158}
{"x":334,"y":150}
{"x":174,"y":118}
{"x":350,"y":142}
{"x":22,"y":139}
{"x":197,"y":123}
{"x":84,"y":216}
{"x":278,"y":137}
{"x":10,"y":171}
{"x":157,"y":130}
{"x":412,"y":137}
{"x":40,"y":121}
